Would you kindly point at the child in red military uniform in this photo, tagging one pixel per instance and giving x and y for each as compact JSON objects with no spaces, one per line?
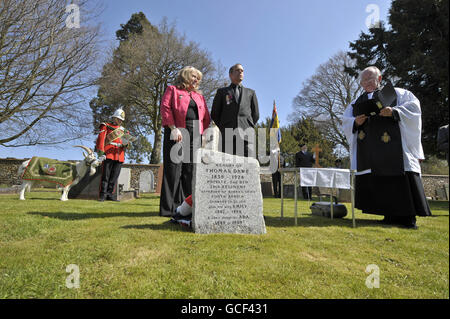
{"x":111,"y":151}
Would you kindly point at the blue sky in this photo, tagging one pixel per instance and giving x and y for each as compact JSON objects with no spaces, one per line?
{"x":279,"y":43}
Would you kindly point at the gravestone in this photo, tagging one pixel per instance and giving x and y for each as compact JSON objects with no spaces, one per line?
{"x":288,"y":191}
{"x":124,"y":178}
{"x":88,"y":187}
{"x":146,"y":182}
{"x":344,"y":195}
{"x":442,"y":193}
{"x":227,"y":194}
{"x":267,"y":189}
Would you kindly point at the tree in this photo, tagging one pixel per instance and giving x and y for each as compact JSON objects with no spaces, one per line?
{"x":134,"y":26}
{"x":324,"y":97}
{"x":45,"y":66}
{"x":413,"y":54}
{"x":142,"y":67}
{"x":106,"y":102}
{"x":371,"y":50}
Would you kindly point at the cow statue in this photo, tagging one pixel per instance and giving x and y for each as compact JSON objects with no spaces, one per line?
{"x":43,"y":169}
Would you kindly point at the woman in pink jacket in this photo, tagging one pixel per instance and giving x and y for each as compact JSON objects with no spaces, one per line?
{"x":182,"y":107}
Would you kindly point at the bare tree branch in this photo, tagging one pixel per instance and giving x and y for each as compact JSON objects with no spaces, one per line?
{"x":44,"y":65}
{"x":325,"y":96}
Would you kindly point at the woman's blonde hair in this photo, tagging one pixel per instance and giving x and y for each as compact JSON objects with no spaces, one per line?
{"x":183,"y":78}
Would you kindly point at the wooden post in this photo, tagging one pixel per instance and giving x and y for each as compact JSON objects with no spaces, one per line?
{"x":352,"y":190}
{"x":295,"y":197}
{"x":316,"y":149}
{"x":281,"y":189}
{"x":160,"y":178}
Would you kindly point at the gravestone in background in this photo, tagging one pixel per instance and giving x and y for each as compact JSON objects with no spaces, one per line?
{"x":227,"y":194}
{"x":125,"y":178}
{"x":267,"y":189}
{"x":88,"y":187}
{"x":288,"y":191}
{"x":344,"y":195}
{"x":442,"y":192}
{"x":146,"y":182}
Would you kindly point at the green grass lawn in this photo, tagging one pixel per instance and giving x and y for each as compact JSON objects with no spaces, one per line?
{"x":125,"y":250}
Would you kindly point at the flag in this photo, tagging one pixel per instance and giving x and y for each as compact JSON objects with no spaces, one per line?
{"x":275,"y":123}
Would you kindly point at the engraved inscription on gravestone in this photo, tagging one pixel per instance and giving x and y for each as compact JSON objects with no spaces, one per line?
{"x":227,"y":194}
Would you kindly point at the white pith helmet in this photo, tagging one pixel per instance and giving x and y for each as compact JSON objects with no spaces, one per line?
{"x":120,"y":114}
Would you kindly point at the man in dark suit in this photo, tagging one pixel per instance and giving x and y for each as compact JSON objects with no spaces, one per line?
{"x":235,"y":107}
{"x":276,"y":177}
{"x":304,"y":159}
{"x":442,"y":140}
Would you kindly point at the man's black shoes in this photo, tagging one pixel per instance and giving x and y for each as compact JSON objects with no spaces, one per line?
{"x":405,"y":222}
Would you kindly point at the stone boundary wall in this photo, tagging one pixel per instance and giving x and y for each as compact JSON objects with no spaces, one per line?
{"x":8,"y":170}
{"x":9,"y":167}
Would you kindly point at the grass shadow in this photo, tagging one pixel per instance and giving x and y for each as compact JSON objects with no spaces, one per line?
{"x":81,"y":216}
{"x":167,"y":225}
{"x":40,"y":198}
{"x":318,"y":221}
{"x":146,"y":205}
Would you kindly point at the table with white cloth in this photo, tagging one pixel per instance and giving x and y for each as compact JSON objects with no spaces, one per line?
{"x":321,"y":177}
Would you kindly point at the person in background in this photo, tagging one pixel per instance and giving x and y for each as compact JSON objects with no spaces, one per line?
{"x":442,"y":140}
{"x":111,"y":152}
{"x":386,"y":151}
{"x":304,"y":159}
{"x":276,"y":176}
{"x":236,"y":106}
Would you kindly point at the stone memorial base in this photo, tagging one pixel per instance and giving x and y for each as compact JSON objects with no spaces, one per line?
{"x":127,"y":195}
{"x":10,"y":190}
{"x":324,"y":209}
{"x":226,"y":194}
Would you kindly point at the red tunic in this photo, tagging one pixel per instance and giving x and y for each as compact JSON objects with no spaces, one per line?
{"x":111,"y":149}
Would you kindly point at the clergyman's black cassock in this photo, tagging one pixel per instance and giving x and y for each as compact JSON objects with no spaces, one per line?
{"x":388,"y":190}
{"x":229,"y":112}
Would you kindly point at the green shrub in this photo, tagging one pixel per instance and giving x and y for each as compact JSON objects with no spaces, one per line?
{"x":434,"y":166}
